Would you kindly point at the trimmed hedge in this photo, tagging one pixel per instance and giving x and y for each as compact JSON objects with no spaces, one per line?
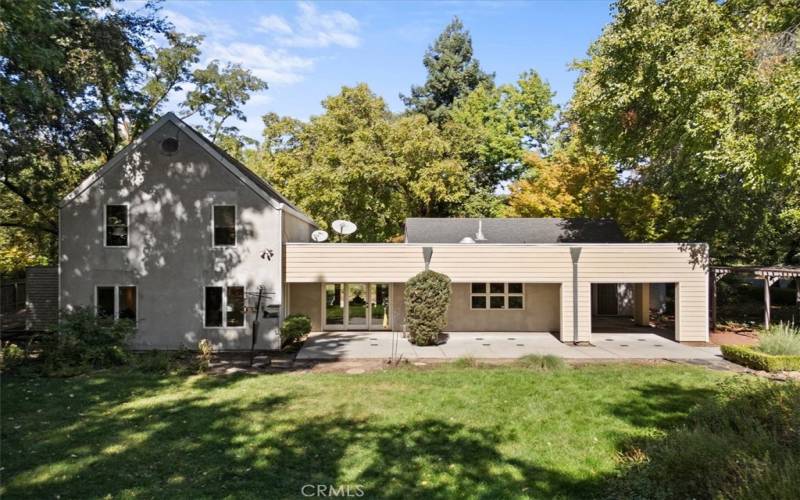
{"x":757,"y":360}
{"x":427,"y":298}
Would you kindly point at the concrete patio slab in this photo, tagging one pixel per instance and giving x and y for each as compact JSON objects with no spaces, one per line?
{"x":497,"y":345}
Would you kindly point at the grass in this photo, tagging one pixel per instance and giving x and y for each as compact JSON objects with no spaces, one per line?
{"x":444,"y":432}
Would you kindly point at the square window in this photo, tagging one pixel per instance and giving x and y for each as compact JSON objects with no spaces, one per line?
{"x":213,"y":306}
{"x":498,"y":302}
{"x":515,"y":288}
{"x":497,"y":288}
{"x":479,"y":288}
{"x":116,"y":225}
{"x":515,"y":302}
{"x":224,"y":225}
{"x":235,"y":306}
{"x":478,"y":302}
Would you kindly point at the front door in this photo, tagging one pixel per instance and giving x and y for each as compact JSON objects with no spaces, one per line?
{"x":357,"y":306}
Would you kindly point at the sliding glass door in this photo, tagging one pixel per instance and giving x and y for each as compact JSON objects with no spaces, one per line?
{"x":357,"y":306}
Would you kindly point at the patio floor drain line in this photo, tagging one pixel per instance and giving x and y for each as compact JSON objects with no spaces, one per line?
{"x":486,"y":345}
{"x":520,"y":345}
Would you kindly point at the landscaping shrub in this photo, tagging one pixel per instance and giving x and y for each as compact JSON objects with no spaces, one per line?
{"x":294,"y":327}
{"x":427,"y":297}
{"x":743,"y":443}
{"x":11,"y":357}
{"x":84,"y":340}
{"x":548,"y":362}
{"x":752,"y":357}
{"x":780,"y":339}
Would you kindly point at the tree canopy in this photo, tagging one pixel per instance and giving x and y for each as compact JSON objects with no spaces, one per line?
{"x":453,"y":72}
{"x":700,"y":101}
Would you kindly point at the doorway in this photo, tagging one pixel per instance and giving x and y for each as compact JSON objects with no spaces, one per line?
{"x":357,"y":306}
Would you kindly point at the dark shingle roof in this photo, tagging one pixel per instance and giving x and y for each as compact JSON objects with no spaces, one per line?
{"x":514,"y":230}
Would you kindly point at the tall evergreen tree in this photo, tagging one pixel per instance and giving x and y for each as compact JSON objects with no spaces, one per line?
{"x":453,"y":72}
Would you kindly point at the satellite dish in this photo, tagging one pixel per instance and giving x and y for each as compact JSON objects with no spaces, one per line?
{"x":343,"y":227}
{"x":319,"y":235}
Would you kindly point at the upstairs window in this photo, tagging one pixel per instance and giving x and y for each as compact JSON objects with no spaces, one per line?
{"x":224,"y":306}
{"x":117,"y":302}
{"x":224,"y":225}
{"x":116,"y":225}
{"x":497,"y":296}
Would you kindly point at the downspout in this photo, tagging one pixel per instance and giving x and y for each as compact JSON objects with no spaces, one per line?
{"x":575,"y":253}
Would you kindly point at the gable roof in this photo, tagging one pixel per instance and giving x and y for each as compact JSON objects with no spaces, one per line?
{"x":513,"y":230}
{"x":237,"y":168}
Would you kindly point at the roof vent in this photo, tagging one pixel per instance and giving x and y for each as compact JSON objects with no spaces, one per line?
{"x":169,"y":146}
{"x":467,"y":239}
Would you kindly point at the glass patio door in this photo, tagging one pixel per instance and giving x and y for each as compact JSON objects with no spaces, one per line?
{"x":357,"y":306}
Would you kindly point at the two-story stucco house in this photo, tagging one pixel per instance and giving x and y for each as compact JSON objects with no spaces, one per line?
{"x":176,"y":234}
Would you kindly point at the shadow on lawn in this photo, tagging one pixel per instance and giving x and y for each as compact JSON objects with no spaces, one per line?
{"x":198,"y":444}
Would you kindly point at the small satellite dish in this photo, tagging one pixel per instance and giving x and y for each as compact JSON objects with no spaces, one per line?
{"x":319,"y":235}
{"x":343,"y":227}
{"x":467,"y":239}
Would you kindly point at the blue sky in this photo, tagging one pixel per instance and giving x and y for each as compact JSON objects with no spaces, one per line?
{"x":308,"y":50}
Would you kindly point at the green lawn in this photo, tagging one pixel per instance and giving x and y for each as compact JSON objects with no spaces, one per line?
{"x":447,"y":432}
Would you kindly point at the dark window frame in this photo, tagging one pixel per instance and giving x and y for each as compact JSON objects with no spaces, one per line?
{"x":226,"y":315}
{"x":116,"y":296}
{"x":223,"y":230}
{"x":491,"y":295}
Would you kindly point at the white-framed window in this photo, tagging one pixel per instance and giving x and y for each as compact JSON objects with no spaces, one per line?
{"x":224,"y":225}
{"x":116,"y":301}
{"x":224,"y":306}
{"x":497,"y":296}
{"x":116,"y":219}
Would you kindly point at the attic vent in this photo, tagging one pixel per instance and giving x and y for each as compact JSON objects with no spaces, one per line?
{"x":169,"y":145}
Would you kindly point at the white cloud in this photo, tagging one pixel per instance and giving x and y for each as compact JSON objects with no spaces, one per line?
{"x":274,"y":24}
{"x":198,"y":25}
{"x":313,"y":28}
{"x":274,"y":66}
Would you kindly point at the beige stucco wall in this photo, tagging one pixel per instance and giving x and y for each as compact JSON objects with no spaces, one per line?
{"x":541,"y":312}
{"x":682,"y":264}
{"x":306,"y":298}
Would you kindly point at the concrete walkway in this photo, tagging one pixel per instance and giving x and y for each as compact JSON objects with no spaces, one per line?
{"x":497,"y":345}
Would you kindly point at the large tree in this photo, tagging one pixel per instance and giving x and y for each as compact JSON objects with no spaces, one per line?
{"x":493,"y":128}
{"x":79,"y":79}
{"x":700,"y":101}
{"x":359,"y":162}
{"x":453,"y":72}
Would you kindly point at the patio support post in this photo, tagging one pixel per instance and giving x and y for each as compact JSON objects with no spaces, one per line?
{"x":712,"y":276}
{"x":575,"y":254}
{"x":766,"y":303}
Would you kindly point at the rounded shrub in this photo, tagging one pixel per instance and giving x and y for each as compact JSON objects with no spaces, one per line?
{"x":427,"y":298}
{"x":294,"y":327}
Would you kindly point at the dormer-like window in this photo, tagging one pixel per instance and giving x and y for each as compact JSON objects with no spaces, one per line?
{"x":116,"y":225}
{"x":224,"y":225}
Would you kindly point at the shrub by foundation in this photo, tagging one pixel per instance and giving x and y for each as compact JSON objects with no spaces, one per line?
{"x":427,"y":297}
{"x":295,"y":326}
{"x":751,"y":357}
{"x":547,"y":362}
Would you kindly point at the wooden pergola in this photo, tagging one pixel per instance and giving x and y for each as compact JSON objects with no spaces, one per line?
{"x":768,"y":274}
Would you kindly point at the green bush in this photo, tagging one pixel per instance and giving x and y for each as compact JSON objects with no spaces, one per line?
{"x":294,"y":327}
{"x":743,"y":443}
{"x":547,"y":362}
{"x":753,"y":358}
{"x":427,"y":297}
{"x":11,"y":357}
{"x":84,"y":340}
{"x":780,"y":339}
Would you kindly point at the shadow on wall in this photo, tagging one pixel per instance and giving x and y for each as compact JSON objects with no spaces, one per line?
{"x":170,"y":255}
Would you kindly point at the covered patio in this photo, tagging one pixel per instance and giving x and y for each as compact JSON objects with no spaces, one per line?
{"x":330,"y":346}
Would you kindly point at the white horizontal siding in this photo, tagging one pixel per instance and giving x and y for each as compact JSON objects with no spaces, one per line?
{"x":547,"y":263}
